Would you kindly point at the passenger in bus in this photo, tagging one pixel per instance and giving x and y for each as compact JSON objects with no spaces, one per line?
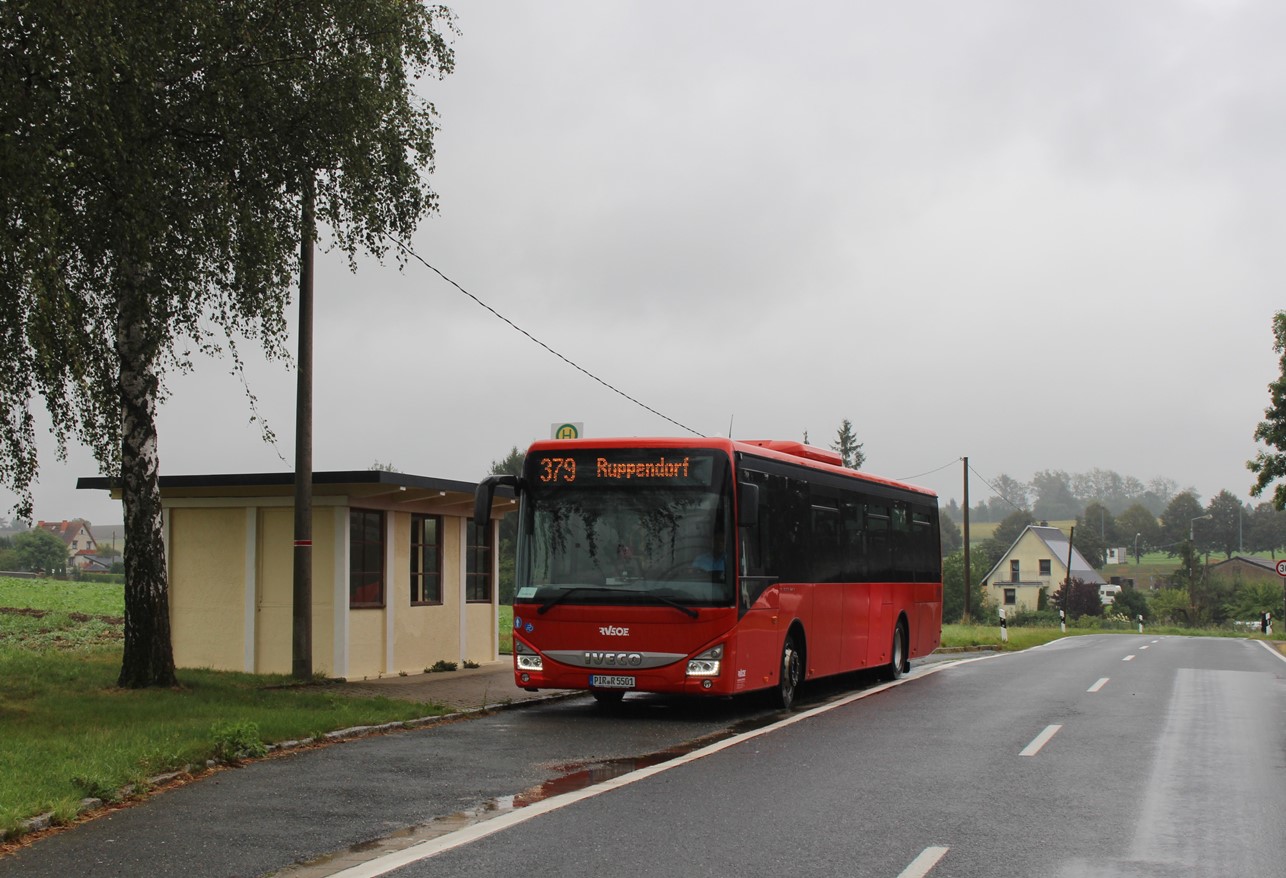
{"x":713,"y":560}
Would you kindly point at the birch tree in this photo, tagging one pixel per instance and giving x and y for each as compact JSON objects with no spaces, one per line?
{"x":1270,"y":466}
{"x":153,"y":161}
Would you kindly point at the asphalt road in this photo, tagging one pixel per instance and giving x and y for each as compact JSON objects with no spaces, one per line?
{"x":1094,"y":756}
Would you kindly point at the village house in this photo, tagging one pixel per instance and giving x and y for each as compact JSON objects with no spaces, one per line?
{"x":1036,"y":562}
{"x":82,"y":550}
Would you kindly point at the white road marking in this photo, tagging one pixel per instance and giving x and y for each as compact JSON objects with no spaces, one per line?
{"x":1040,"y":740}
{"x":1128,"y":658}
{"x":1102,"y":681}
{"x":1144,"y":646}
{"x":1274,"y":650}
{"x":424,"y":850}
{"x":924,"y":863}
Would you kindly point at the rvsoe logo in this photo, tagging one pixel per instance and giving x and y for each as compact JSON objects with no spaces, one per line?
{"x":613,"y":631}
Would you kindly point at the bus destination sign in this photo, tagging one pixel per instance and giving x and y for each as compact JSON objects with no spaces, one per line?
{"x":602,"y":469}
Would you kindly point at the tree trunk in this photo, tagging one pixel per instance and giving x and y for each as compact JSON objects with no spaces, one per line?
{"x":149,"y":656}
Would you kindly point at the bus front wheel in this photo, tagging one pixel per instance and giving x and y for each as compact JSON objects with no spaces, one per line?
{"x":897,"y":660}
{"x":791,"y":672}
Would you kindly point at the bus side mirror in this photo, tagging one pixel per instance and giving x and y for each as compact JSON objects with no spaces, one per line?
{"x":747,"y":504}
{"x":483,"y":495}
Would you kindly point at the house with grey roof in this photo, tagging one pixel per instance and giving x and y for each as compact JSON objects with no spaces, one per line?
{"x":1037,"y":561}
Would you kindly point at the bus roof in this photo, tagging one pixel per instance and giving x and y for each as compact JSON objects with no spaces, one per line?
{"x":811,"y":456}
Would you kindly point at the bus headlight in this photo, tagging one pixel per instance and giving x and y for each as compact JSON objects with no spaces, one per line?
{"x":526,"y":658}
{"x":707,"y":664}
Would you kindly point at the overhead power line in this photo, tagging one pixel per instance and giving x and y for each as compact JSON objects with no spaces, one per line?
{"x":420,"y":259}
{"x":997,"y":491}
{"x":930,"y":472}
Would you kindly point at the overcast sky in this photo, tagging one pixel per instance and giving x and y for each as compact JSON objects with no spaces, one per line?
{"x":1043,"y":235}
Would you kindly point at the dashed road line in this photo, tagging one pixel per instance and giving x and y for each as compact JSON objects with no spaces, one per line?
{"x":1102,"y":681}
{"x":1040,"y":740}
{"x":923,"y":864}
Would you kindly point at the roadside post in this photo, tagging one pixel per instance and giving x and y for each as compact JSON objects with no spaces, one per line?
{"x":1281,"y":571}
{"x":1266,"y":623}
{"x":1004,"y":627}
{"x":1140,"y":623}
{"x":1062,"y":621}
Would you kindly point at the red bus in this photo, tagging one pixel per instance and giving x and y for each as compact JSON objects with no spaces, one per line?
{"x":714,"y":567}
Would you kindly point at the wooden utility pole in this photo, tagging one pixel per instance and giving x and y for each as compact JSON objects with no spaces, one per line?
{"x":968,"y":575}
{"x":301,"y":652}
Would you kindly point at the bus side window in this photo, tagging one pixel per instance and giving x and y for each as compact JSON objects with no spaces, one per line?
{"x":878,"y":559}
{"x":852,"y":541}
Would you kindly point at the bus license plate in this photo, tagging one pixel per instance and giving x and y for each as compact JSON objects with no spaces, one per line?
{"x":605,"y":681}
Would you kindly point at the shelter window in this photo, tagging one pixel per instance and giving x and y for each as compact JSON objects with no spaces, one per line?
{"x":426,"y":559}
{"x":478,"y":563}
{"x":365,"y":558}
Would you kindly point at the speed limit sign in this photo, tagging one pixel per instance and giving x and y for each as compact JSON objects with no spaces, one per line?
{"x":1281,"y":567}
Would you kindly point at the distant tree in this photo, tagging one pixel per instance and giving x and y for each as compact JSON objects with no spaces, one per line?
{"x":1095,"y":533}
{"x":1176,"y":520}
{"x":383,"y":467}
{"x":1158,"y":494}
{"x":1223,"y":533}
{"x":1054,"y":497}
{"x":850,"y":450}
{"x":40,"y":550}
{"x":161,"y":165}
{"x":1101,"y":486}
{"x":951,"y":537}
{"x":1012,"y":493}
{"x":1077,"y":598}
{"x":1170,"y":606}
{"x":1010,"y":529}
{"x":1131,"y":603}
{"x":1267,"y":529}
{"x":1137,"y":526}
{"x":510,"y":464}
{"x":1207,"y":596}
{"x":1270,"y":466}
{"x":953,"y":588}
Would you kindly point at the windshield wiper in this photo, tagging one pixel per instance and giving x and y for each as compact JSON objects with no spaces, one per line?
{"x":678,"y":606}
{"x":556,"y":599}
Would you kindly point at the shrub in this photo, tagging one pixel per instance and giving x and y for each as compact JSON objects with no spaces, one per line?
{"x":236,"y":741}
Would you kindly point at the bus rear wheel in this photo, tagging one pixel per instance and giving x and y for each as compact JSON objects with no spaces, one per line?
{"x":791,"y":672}
{"x":897,"y":659}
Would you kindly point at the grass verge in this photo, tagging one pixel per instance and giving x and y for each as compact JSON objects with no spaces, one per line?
{"x":70,"y":734}
{"x":67,"y":733}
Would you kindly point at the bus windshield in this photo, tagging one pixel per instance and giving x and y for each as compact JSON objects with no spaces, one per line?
{"x":626,"y":526}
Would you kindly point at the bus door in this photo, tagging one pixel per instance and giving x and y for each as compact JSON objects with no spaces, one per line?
{"x":759,"y":631}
